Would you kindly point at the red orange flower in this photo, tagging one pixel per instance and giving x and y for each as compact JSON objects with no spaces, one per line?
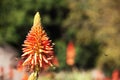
{"x":38,"y":49}
{"x":70,"y":54}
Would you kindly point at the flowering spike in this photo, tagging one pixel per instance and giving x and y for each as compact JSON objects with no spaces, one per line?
{"x":70,"y":54}
{"x":37,"y":48}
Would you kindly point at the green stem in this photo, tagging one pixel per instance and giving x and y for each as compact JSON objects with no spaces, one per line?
{"x":37,"y":72}
{"x":37,"y":76}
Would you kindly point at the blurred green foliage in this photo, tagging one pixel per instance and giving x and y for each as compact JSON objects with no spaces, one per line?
{"x":92,"y":25}
{"x":16,"y":18}
{"x":60,"y":49}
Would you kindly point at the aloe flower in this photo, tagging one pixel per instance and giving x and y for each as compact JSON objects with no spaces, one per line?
{"x":37,"y":48}
{"x":70,"y":54}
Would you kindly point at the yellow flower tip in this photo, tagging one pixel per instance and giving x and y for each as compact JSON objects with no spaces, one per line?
{"x":37,"y":19}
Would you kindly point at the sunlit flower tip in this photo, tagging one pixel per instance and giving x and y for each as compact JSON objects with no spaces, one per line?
{"x":37,"y":48}
{"x":37,"y":19}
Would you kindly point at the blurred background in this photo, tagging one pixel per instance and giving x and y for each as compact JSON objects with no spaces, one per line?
{"x":86,"y":34}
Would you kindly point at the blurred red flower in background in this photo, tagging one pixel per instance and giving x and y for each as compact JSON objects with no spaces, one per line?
{"x":1,"y":73}
{"x":11,"y":73}
{"x":70,"y":54}
{"x":115,"y":75}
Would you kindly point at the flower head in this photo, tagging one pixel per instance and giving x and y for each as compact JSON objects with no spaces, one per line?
{"x":38,"y":49}
{"x":70,"y":54}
